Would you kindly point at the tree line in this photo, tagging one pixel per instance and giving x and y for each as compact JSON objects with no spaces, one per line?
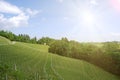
{"x":105,"y":55}
{"x":25,"y":38}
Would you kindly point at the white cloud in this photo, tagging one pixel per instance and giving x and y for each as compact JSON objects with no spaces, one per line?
{"x":16,"y":21}
{"x":19,"y":20}
{"x":6,"y":7}
{"x":20,"y":17}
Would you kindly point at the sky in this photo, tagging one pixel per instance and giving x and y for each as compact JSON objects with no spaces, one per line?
{"x":80,"y":20}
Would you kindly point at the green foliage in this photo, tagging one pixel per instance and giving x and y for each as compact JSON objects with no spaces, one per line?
{"x":105,"y":56}
{"x":33,"y":40}
{"x":45,"y":40}
{"x":26,"y":38}
{"x":110,"y":47}
{"x":23,"y":38}
{"x":7,"y":34}
{"x":32,"y":62}
{"x":13,"y":37}
{"x":73,"y":49}
{"x":20,"y":37}
{"x":116,"y":58}
{"x":4,"y":68}
{"x":7,"y":73}
{"x":60,"y":47}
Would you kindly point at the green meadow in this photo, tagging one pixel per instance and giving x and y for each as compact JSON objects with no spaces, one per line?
{"x":25,"y":61}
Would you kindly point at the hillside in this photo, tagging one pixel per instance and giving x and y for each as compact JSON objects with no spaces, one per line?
{"x":33,"y":62}
{"x":4,"y":40}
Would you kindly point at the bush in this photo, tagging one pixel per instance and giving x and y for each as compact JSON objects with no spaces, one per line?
{"x":59,"y":47}
{"x":6,"y":71}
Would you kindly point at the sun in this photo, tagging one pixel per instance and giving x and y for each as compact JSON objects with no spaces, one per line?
{"x":88,"y":18}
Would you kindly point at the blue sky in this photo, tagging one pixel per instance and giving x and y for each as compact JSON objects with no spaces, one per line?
{"x":80,"y":20}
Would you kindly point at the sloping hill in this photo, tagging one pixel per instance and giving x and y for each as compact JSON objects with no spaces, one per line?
{"x":4,"y":40}
{"x":81,"y":70}
{"x":33,"y":62}
{"x":36,"y":46}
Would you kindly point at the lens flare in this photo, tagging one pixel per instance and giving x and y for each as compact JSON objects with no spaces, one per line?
{"x":88,"y":18}
{"x":115,"y":4}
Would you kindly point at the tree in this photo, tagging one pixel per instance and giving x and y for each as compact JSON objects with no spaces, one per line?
{"x":33,"y":40}
{"x":45,"y":40}
{"x":59,"y":47}
{"x":110,"y":47}
{"x":7,"y":34}
{"x":64,"y":39}
{"x":13,"y":37}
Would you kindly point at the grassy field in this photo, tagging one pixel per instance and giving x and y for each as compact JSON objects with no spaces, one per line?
{"x":35,"y":63}
{"x":4,"y":41}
